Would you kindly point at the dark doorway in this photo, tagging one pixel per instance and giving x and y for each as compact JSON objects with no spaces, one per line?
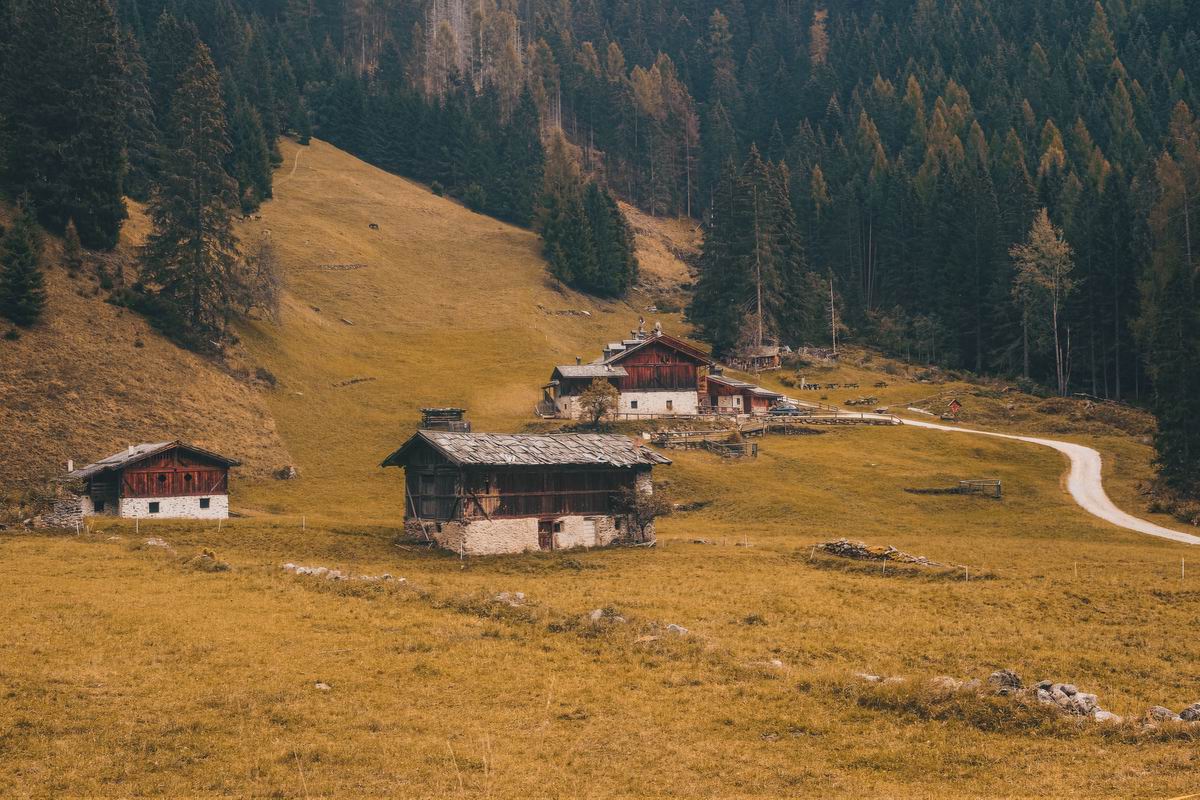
{"x":546,"y":534}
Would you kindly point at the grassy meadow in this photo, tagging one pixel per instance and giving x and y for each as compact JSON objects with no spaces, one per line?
{"x":125,"y":671}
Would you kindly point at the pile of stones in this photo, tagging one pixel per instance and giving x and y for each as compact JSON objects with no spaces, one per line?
{"x":860,"y":551}
{"x":336,"y":574}
{"x":1065,"y":697}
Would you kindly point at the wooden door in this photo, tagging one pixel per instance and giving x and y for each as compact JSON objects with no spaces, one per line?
{"x":546,"y":534}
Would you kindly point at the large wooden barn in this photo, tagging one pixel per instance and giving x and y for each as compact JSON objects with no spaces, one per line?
{"x":480,"y":493}
{"x":170,"y":480}
{"x":655,"y":375}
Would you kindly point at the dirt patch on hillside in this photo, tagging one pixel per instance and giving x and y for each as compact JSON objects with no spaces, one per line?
{"x":667,"y":249}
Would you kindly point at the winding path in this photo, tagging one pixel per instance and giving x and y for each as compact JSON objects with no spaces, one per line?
{"x":1084,"y":482}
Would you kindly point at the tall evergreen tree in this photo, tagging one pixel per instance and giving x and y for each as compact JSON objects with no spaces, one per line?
{"x":22,"y":286}
{"x":191,"y":256}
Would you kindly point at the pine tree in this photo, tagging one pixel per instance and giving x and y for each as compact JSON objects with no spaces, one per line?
{"x":191,"y":256}
{"x":249,"y":160}
{"x":22,"y":287}
{"x":72,"y":250}
{"x":63,"y":117}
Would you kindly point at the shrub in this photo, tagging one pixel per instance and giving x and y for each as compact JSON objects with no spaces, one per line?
{"x":437,"y":188}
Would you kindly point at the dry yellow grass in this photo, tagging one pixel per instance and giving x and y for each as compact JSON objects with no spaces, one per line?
{"x":125,"y":672}
{"x":91,"y":379}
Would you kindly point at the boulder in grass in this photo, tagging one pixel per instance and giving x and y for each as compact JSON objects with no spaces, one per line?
{"x":1107,"y":716}
{"x":1160,"y":714}
{"x":1191,"y":713}
{"x":1005,"y":682}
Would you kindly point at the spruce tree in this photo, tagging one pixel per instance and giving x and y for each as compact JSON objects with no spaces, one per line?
{"x":191,"y":256}
{"x":22,"y":287}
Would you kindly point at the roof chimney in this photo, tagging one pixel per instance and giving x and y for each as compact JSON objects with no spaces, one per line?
{"x":578,"y":360}
{"x":70,"y":465}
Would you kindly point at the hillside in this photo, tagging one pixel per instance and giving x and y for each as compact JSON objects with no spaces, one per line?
{"x":437,"y":306}
{"x":132,"y":670}
{"x":92,"y":378}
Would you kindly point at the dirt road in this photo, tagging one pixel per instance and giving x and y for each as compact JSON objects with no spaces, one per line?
{"x":1084,"y":483}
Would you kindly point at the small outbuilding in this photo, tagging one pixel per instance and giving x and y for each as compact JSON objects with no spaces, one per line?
{"x":727,"y":395}
{"x":481,"y":493}
{"x":165,"y":480}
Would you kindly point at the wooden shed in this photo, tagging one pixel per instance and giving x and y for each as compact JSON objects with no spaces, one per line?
{"x":479,"y":493}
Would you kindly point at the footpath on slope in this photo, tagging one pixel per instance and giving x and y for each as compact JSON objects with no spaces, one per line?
{"x":1085,"y":482}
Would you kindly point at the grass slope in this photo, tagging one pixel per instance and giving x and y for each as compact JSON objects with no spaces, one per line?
{"x":127,"y":672}
{"x":91,"y":379}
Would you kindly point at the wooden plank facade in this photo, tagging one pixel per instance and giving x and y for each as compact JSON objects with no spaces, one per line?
{"x":438,"y":490}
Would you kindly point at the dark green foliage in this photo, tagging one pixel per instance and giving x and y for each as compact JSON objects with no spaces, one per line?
{"x":249,"y":159}
{"x":22,"y":287}
{"x":190,"y":259}
{"x":63,"y":106}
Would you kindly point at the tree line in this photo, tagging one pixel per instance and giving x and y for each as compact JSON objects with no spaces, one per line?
{"x":882,"y":165}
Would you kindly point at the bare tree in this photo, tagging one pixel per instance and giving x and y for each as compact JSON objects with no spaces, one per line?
{"x":1041,"y":286}
{"x":642,"y":508}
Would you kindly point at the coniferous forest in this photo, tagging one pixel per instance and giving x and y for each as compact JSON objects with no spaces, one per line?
{"x":1001,"y":187}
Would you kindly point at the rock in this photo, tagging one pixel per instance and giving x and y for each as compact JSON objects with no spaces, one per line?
{"x":1107,"y":716}
{"x":286,"y":473}
{"x":596,"y":615}
{"x":1191,"y":713}
{"x":868,"y":677}
{"x":1068,"y":689}
{"x":513,"y":599}
{"x":677,"y":630}
{"x":1005,"y":681}
{"x":1085,"y":705}
{"x":776,"y":663}
{"x":321,"y":685}
{"x":1161,"y":714}
{"x":1044,"y":685}
{"x":892,"y":680}
{"x":154,"y":541}
{"x":947,"y":683}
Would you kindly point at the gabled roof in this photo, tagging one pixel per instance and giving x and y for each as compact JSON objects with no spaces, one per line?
{"x":665,"y":339}
{"x":734,"y":383}
{"x":553,"y":449}
{"x":590,"y":371}
{"x":137,"y":452}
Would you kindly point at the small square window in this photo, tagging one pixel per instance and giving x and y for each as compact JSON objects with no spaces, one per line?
{"x":154,"y":508}
{"x":633,"y":404}
{"x":558,"y":527}
{"x":670,"y":405}
{"x":205,"y":502}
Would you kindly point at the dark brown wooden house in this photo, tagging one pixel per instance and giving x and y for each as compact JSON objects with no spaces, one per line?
{"x":164,"y":479}
{"x":727,"y":395}
{"x":480,"y":493}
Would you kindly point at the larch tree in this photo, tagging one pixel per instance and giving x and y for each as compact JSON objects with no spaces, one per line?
{"x":1041,"y":285}
{"x":191,"y":257}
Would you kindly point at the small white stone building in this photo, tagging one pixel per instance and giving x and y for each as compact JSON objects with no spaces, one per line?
{"x":164,"y":480}
{"x":479,"y":493}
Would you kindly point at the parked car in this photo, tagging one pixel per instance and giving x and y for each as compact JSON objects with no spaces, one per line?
{"x":789,"y":410}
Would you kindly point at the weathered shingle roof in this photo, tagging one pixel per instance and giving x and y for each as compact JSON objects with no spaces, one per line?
{"x":590,"y":371}
{"x":554,"y":449}
{"x":736,"y":384}
{"x":137,"y":452}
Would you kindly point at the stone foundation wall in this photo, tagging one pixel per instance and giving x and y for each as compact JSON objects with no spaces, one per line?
{"x":175,"y":507}
{"x":499,"y":536}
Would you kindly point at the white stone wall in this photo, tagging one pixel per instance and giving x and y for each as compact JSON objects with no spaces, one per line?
{"x":682,"y":402}
{"x":499,"y":536}
{"x":175,"y":507}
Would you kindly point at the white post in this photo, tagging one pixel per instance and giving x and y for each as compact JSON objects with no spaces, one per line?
{"x":219,"y":521}
{"x":303,"y":523}
{"x":137,"y":525}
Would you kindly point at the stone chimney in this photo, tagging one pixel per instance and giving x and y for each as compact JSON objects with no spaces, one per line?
{"x":578,"y":360}
{"x":70,"y":465}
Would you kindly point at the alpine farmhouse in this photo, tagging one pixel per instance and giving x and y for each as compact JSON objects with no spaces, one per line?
{"x":655,"y":375}
{"x":165,"y":480}
{"x":481,"y":493}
